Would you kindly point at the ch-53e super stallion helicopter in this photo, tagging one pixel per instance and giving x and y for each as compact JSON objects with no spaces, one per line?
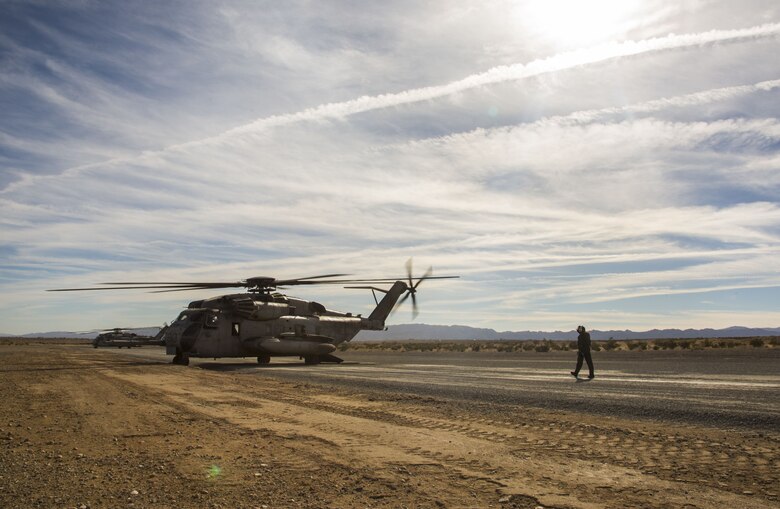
{"x":122,"y":338}
{"x":264,"y":323}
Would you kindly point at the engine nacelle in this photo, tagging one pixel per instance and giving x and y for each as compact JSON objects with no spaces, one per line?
{"x":254,"y":310}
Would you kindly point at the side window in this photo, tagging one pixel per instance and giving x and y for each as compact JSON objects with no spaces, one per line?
{"x":235,"y":329}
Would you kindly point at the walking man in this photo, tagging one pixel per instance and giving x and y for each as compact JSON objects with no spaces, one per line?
{"x":583,"y":352}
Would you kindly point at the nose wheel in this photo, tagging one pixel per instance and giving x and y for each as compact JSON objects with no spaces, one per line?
{"x":181,"y":358}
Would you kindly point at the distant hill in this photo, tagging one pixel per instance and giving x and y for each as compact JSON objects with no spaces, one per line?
{"x":142,"y":331}
{"x":423,"y":331}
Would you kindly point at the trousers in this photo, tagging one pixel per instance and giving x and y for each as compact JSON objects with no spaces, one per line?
{"x":584,"y":355}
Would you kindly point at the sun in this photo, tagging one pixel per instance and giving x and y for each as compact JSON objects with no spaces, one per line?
{"x":569,"y":24}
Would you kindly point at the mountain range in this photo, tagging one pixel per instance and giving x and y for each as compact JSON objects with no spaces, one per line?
{"x":456,"y":332}
{"x":422,"y":331}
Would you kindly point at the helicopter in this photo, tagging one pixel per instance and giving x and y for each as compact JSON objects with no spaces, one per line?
{"x":263,"y":323}
{"x":121,"y":337}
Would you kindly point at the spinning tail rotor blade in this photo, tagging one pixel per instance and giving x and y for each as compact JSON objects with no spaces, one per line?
{"x":411,"y":289}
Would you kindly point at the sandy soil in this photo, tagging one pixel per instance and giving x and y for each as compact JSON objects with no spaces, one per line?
{"x":87,"y":428}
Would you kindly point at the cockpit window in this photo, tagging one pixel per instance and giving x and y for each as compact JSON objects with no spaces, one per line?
{"x":212,"y":320}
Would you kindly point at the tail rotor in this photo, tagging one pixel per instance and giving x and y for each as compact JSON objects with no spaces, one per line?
{"x":411,"y":288}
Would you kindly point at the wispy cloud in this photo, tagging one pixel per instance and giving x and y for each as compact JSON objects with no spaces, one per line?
{"x":492,"y":76}
{"x":626,"y":206}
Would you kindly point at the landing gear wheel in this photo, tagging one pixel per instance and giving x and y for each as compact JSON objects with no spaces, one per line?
{"x":264,"y":359}
{"x":181,"y":358}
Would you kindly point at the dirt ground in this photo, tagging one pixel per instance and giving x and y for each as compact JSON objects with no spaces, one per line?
{"x":85,"y":428}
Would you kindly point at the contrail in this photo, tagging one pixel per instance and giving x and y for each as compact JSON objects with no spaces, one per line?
{"x":494,"y":75}
{"x":693,"y":99}
{"x":505,"y":73}
{"x":594,"y":115}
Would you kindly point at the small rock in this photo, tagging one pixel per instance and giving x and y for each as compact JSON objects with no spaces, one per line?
{"x":505,"y":499}
{"x":746,"y":492}
{"x":134,"y":492}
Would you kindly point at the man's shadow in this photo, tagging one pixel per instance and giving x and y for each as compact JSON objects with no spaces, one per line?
{"x":583,"y":380}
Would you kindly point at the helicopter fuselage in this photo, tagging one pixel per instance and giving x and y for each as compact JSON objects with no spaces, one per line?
{"x":263,"y":323}
{"x":266,"y":325}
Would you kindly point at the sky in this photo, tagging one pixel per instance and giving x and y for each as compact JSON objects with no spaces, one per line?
{"x":610,"y":163}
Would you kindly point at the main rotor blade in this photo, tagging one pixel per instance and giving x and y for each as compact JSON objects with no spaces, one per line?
{"x":137,"y":286}
{"x":355,"y":281}
{"x":319,"y":277}
{"x":189,"y":288}
{"x":183,"y":286}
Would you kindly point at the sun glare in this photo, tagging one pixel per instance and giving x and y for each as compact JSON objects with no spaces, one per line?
{"x":577,"y":23}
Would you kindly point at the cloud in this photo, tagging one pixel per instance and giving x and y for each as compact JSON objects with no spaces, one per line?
{"x":495,"y":75}
{"x":600,"y":203}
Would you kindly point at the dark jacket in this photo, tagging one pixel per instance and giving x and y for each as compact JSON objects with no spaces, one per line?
{"x":583,"y":342}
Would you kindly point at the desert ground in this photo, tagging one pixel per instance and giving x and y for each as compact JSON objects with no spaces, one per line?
{"x":87,"y":428}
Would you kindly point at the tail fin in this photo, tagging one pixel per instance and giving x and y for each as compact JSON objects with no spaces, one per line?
{"x":385,"y":306}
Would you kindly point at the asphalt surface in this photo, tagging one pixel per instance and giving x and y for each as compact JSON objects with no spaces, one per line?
{"x":736,"y":388}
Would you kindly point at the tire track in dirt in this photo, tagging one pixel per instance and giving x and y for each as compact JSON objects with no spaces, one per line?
{"x":496,"y":452}
{"x":687,"y":459}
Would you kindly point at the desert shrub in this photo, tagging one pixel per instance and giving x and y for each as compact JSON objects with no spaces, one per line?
{"x":528,"y":346}
{"x":757,"y":342}
{"x":610,"y":345}
{"x":685,"y":344}
{"x":544,"y":347}
{"x":774,"y":341}
{"x":667,"y":344}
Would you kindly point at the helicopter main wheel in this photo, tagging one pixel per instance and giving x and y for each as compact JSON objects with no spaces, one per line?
{"x":264,"y":359}
{"x":181,"y":358}
{"x":311,"y":359}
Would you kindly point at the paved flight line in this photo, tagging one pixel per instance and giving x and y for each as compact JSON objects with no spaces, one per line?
{"x":347,"y":371}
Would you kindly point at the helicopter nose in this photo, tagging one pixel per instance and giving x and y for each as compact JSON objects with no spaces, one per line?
{"x":189,"y":336}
